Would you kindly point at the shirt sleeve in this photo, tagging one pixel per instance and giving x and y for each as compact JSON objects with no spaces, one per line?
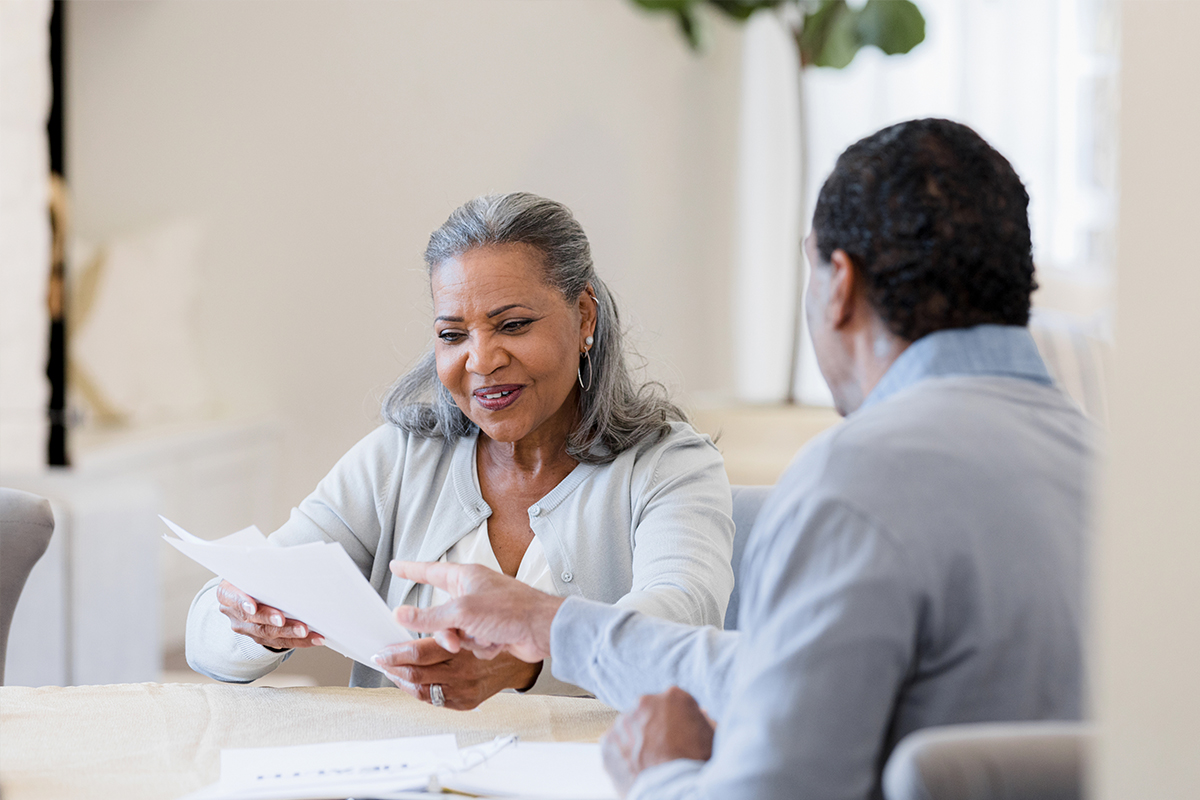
{"x":683,"y":536}
{"x":621,"y":655}
{"x":213,"y":649}
{"x":830,"y":632}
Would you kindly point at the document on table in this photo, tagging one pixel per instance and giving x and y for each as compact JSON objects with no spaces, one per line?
{"x":533,"y":771}
{"x":315,"y":583}
{"x":380,"y":769}
{"x":412,"y":767}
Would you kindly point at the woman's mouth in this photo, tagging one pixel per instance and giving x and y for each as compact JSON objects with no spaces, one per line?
{"x":494,"y":398}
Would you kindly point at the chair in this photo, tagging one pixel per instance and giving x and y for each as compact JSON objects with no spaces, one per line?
{"x":990,"y":761}
{"x":747,"y":501}
{"x":26,"y":523}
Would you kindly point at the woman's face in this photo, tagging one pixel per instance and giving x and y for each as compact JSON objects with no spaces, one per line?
{"x":508,"y":344}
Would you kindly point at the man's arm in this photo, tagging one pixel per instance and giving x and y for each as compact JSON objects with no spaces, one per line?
{"x":831,"y":617}
{"x":617,"y":654}
{"x":620,"y":655}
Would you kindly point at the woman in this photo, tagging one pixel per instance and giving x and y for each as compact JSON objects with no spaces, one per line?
{"x":520,"y":442}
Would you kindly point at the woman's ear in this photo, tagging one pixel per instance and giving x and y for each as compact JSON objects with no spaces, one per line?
{"x":589,"y":309}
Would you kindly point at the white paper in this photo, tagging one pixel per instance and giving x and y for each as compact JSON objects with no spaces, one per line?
{"x":314,"y":583}
{"x":535,"y":770}
{"x":379,"y":768}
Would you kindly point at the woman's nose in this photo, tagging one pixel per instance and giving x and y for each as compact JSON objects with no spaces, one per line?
{"x":485,"y":356}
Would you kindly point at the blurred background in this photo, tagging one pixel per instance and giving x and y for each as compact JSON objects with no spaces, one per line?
{"x":247,"y":188}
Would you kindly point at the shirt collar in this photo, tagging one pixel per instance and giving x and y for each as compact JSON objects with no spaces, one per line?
{"x":1000,"y":350}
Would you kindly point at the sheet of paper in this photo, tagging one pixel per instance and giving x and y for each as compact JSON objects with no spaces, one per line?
{"x":315,"y":583}
{"x":379,"y":768}
{"x":533,"y":771}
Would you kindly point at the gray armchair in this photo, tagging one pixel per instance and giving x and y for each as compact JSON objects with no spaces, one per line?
{"x":747,"y":502}
{"x":990,"y":761}
{"x":26,"y":524}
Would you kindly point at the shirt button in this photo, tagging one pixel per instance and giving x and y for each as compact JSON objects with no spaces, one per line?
{"x":535,"y":511}
{"x":567,"y":577}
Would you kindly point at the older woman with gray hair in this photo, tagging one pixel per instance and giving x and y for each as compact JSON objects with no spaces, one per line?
{"x":522,"y":442}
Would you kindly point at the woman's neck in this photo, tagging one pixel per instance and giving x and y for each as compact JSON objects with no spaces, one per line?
{"x":532,"y":459}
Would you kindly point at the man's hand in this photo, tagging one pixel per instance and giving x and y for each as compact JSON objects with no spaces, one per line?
{"x":662,"y":728}
{"x":466,"y":681}
{"x":268,"y":626}
{"x":491,"y":613}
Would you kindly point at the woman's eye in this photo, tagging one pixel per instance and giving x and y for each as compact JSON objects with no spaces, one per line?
{"x":515,"y":325}
{"x":450,"y":337}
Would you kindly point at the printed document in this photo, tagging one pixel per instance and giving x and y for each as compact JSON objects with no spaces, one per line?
{"x":314,"y":583}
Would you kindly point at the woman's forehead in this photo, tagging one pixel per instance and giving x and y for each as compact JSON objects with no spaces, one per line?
{"x":491,"y":277}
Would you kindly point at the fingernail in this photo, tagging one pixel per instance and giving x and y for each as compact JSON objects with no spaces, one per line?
{"x":299,"y":632}
{"x":277,"y":620}
{"x":248,"y":607}
{"x":318,"y":640}
{"x":376,"y":659}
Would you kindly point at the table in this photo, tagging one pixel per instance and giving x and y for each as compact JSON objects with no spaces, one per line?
{"x":160,"y":741}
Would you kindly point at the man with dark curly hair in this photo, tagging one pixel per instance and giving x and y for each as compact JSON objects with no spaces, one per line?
{"x":919,"y":565}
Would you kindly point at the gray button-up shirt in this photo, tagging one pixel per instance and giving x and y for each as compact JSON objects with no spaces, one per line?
{"x":920,"y":564}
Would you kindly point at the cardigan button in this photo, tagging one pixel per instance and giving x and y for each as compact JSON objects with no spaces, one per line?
{"x":535,"y":511}
{"x":567,"y":577}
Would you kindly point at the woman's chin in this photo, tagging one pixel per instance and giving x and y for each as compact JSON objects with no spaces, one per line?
{"x":503,"y":432}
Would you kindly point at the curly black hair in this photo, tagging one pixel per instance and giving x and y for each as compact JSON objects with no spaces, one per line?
{"x":936,"y":222}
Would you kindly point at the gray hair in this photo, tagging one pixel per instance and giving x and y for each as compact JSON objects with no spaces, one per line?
{"x":616,"y":412}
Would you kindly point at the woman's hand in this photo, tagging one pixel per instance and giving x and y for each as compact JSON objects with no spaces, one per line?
{"x":466,"y":681}
{"x":265,"y":625}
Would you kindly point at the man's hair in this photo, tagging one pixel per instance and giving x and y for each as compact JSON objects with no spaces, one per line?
{"x":935,"y":220}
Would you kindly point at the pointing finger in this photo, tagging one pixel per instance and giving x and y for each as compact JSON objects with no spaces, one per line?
{"x":434,"y":574}
{"x":428,"y":620}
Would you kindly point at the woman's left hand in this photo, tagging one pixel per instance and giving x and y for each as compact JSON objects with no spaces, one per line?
{"x":466,"y":681}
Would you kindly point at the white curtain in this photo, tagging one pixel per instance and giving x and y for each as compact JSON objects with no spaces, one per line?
{"x":24,"y":233}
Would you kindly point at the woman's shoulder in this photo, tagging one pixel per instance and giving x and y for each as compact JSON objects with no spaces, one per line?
{"x":390,"y":444}
{"x":679,"y":448}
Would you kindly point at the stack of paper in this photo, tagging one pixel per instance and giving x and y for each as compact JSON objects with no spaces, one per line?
{"x":315,"y":583}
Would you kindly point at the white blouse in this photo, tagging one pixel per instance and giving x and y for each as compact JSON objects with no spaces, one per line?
{"x":476,"y":548}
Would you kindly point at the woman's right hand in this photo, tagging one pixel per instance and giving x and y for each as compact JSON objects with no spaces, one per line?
{"x":265,"y":625}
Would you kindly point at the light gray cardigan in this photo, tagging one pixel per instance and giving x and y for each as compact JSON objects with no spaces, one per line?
{"x":650,"y":531}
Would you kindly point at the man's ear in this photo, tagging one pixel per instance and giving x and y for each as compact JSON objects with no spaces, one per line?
{"x":843,"y":288}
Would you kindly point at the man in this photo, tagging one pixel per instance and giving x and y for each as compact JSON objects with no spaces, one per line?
{"x":920,"y":564}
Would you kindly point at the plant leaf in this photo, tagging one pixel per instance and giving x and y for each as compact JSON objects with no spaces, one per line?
{"x":830,"y":36}
{"x":743,"y":9}
{"x":690,"y":26}
{"x":894,"y":26}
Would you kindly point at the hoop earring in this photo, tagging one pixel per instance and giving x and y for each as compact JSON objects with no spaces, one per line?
{"x":579,"y":372}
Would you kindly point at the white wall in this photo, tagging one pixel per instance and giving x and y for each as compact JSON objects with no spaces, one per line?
{"x":321,"y":142}
{"x":24,"y":235}
{"x":1147,"y":698}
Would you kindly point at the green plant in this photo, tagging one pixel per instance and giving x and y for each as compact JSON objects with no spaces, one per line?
{"x":828,"y":33}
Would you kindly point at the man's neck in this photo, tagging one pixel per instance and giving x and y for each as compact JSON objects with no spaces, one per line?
{"x":873,"y":351}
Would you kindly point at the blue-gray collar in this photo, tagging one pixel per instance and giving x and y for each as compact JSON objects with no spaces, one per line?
{"x":1003,"y":350}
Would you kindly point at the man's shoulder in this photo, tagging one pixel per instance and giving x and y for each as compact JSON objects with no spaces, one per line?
{"x":955,"y":413}
{"x":939,"y":436}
